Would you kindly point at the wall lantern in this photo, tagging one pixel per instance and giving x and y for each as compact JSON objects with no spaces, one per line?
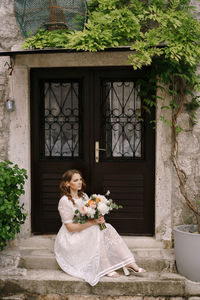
{"x":10,"y":105}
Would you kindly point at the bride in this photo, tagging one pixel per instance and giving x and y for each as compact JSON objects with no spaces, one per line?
{"x":83,"y":250}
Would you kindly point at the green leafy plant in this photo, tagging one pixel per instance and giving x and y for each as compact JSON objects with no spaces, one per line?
{"x":12,"y":215}
{"x":45,"y":38}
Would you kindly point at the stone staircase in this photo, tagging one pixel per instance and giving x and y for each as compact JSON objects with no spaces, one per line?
{"x":37,"y":252}
{"x":29,"y":271}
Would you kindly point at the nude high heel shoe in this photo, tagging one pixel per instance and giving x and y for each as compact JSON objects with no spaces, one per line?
{"x":128,"y":269}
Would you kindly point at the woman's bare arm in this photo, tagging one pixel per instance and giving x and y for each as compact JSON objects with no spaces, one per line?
{"x":72,"y":227}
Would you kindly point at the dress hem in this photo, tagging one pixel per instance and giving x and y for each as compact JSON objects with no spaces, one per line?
{"x":111,"y":269}
{"x":101,"y":274}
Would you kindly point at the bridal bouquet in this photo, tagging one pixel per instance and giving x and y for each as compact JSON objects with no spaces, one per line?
{"x":95,"y":206}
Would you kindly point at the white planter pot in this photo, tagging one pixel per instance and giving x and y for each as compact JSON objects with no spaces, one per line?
{"x":187,"y":252}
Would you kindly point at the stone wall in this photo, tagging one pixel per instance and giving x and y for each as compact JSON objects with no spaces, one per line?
{"x":173,"y":209}
{"x":189,"y":159}
{"x":4,"y":119}
{"x":85,"y":297}
{"x":9,"y":36}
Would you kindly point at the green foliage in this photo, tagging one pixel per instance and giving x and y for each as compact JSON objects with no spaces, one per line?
{"x":170,"y":44}
{"x":12,"y":180}
{"x":78,"y":218}
{"x":173,"y":33}
{"x":191,"y":107}
{"x":110,"y":24}
{"x":44,"y":38}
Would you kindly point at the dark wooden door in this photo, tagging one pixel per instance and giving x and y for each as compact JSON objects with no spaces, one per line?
{"x":92,"y":120}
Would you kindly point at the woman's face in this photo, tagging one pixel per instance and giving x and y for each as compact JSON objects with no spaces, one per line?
{"x":75,"y":183}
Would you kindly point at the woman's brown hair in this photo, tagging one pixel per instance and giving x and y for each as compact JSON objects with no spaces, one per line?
{"x":67,"y":176}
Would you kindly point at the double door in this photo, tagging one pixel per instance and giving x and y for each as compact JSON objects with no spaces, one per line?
{"x":92,"y":120}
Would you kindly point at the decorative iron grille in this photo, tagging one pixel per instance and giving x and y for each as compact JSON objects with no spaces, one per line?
{"x":61,"y":119}
{"x":122,"y":119}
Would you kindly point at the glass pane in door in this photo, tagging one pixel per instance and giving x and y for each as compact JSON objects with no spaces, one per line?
{"x":61,"y":118}
{"x":122,"y":120}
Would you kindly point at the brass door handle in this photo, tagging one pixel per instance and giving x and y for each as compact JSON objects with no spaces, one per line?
{"x":97,"y":149}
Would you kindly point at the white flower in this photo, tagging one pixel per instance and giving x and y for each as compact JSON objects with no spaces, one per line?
{"x":107,"y":193}
{"x":103,"y":208}
{"x":90,"y":212}
{"x":103,"y":199}
{"x":84,"y":210}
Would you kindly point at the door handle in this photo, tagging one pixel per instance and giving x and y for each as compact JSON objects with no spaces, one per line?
{"x":97,"y":149}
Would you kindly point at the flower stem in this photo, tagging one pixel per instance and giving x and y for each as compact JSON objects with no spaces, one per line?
{"x":102,"y":226}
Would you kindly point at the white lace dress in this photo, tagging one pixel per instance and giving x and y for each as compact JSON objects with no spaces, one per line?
{"x":91,"y":253}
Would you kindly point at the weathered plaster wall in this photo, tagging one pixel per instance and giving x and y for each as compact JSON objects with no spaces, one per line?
{"x":189,"y":159}
{"x":171,"y":208}
{"x":9,"y":35}
{"x":19,"y":136}
{"x":4,"y":118}
{"x":163,"y":175}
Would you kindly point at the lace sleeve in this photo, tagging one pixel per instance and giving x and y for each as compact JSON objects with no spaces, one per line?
{"x":65,"y":208}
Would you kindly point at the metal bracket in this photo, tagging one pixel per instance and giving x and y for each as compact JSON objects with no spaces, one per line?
{"x":10,"y":66}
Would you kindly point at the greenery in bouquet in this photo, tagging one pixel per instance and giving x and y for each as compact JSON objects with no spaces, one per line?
{"x":96,"y":205}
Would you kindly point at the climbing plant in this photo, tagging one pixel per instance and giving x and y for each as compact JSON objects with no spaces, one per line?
{"x":164,"y":35}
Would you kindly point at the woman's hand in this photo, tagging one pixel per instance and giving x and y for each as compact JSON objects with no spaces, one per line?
{"x":100,"y":220}
{"x":72,"y":227}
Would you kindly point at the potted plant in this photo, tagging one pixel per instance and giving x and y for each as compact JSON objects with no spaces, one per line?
{"x":164,"y":35}
{"x":12,"y":215}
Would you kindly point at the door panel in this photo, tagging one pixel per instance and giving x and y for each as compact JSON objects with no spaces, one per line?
{"x":59,"y":128}
{"x":126,"y":165}
{"x":73,"y":111}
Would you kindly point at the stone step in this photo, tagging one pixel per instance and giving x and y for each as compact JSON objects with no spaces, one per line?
{"x":36,"y":241}
{"x":9,"y":258}
{"x":32,"y":273}
{"x":152,"y":260}
{"x":38,"y":252}
{"x":47,"y":242}
{"x":152,"y":284}
{"x":138,"y":252}
{"x":15,"y":297}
